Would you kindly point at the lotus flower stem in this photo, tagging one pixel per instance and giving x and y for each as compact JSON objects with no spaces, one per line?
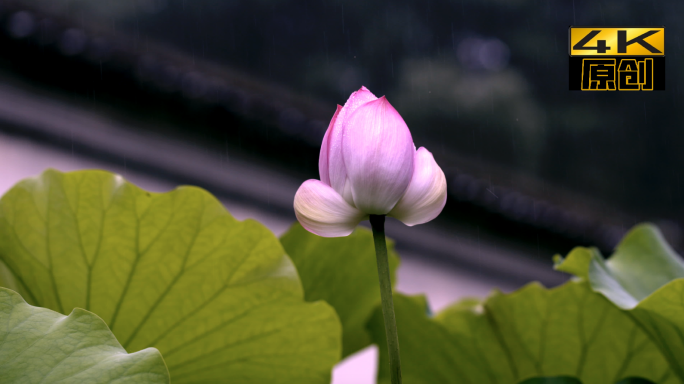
{"x":378,"y":225}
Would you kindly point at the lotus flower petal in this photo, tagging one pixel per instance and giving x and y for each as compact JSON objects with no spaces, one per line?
{"x":322,"y":211}
{"x":426,"y":194}
{"x":323,"y":167}
{"x":378,"y":154}
{"x":337,"y":172}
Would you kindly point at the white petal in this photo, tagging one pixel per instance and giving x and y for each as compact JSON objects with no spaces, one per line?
{"x":426,"y":194}
{"x":322,"y":211}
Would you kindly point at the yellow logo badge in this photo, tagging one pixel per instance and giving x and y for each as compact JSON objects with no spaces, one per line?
{"x":617,"y":58}
{"x":624,"y":41}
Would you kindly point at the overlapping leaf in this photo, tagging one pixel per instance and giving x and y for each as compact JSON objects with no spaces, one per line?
{"x":552,"y":380}
{"x":218,"y":297}
{"x":644,"y":277}
{"x":534,"y":332}
{"x":38,"y":345}
{"x":343,"y":272}
{"x":572,"y":380}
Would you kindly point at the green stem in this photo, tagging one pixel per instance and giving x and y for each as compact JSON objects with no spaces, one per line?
{"x":378,"y":225}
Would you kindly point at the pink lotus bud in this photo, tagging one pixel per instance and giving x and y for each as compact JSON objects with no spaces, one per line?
{"x":369,"y":166}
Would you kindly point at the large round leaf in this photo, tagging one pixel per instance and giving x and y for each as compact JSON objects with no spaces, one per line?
{"x":533,"y":332}
{"x":38,"y":345}
{"x":572,"y":380}
{"x":343,"y":272}
{"x":218,"y":297}
{"x":552,"y":380}
{"x":645,"y":278}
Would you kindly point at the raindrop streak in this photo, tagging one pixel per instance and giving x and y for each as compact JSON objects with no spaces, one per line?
{"x":392,"y":64}
{"x":453,"y":40}
{"x":574,"y":20}
{"x":325,"y":43}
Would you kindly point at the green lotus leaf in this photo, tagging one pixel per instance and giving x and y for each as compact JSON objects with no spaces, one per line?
{"x":552,"y":380}
{"x":38,"y":345}
{"x":7,"y":279}
{"x":533,"y":332}
{"x":343,"y":272}
{"x":635,"y":380}
{"x":643,"y":278}
{"x":572,"y":380}
{"x":219,"y":298}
